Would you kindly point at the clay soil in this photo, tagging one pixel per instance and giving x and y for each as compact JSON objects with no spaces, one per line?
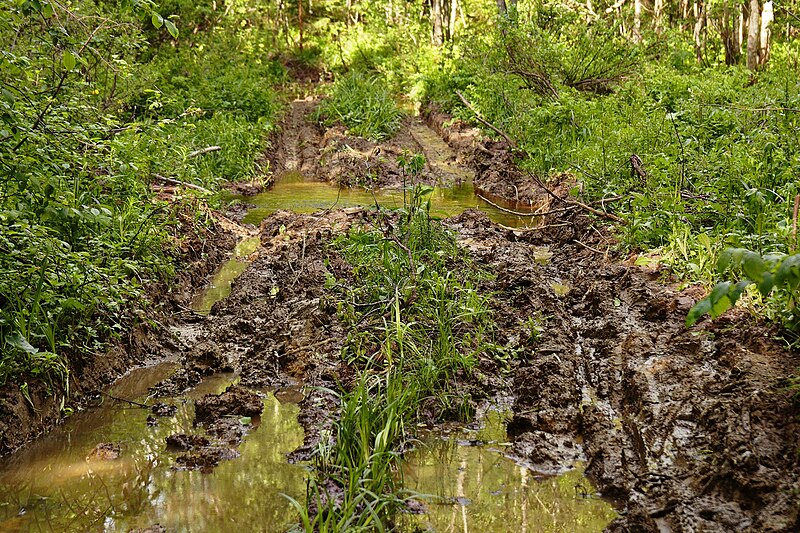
{"x":683,"y":429}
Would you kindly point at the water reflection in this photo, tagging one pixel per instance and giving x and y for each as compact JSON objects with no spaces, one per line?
{"x":220,"y":286}
{"x":51,"y":486}
{"x":477,"y":489}
{"x":293,"y":192}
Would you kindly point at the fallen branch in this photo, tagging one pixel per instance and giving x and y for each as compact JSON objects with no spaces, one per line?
{"x":205,"y":151}
{"x":535,"y":228}
{"x":595,"y":250}
{"x":165,"y":179}
{"x":145,"y":406}
{"x":582,"y":205}
{"x":485,"y":122}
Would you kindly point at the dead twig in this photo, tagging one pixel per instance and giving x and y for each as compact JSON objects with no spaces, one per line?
{"x":522,"y":213}
{"x":535,"y":228}
{"x":595,"y":250}
{"x":204,"y":151}
{"x":486,"y":123}
{"x":582,"y":205}
{"x":145,"y":406}
{"x":172,"y":181}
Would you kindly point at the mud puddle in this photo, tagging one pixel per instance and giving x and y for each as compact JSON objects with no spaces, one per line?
{"x":220,"y":285}
{"x":474,"y":486}
{"x":295,"y":192}
{"x":108,"y":469}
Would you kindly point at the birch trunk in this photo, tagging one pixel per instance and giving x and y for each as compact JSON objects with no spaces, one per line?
{"x":767,"y":17}
{"x":753,"y":35}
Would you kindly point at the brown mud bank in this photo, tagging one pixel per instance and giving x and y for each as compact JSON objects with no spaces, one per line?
{"x":686,"y":430}
{"x":197,"y":254}
{"x":331,"y":154}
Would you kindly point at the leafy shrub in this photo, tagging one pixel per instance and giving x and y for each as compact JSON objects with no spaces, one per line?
{"x":778,"y":273}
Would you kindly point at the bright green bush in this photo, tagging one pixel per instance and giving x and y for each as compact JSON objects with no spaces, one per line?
{"x":364,"y":104}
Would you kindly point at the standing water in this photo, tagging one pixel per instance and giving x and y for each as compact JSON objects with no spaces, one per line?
{"x":61,"y":483}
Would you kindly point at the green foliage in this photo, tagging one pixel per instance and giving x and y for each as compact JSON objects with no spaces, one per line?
{"x":364,"y":104}
{"x":417,"y":323}
{"x":84,"y":125}
{"x":779,"y":273}
{"x":718,"y":150}
{"x":356,"y":484}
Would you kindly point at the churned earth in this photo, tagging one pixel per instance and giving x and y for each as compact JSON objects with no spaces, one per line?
{"x":683,"y":429}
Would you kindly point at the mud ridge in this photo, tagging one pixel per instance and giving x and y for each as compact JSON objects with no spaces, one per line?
{"x":687,"y":430}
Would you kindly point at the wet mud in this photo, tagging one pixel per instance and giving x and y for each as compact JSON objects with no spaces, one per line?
{"x":683,"y":429}
{"x":333,"y":155}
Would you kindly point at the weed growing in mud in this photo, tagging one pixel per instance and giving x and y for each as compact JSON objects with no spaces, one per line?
{"x":356,"y":486}
{"x":364,"y":104}
{"x":418,"y":325}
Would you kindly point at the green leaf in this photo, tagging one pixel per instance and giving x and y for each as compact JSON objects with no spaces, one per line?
{"x":766,"y":284}
{"x":171,"y":28}
{"x":753,"y":266}
{"x":737,"y":290}
{"x":17,"y":340}
{"x":695,"y":313}
{"x":68,"y":59}
{"x":245,"y":420}
{"x":720,"y":306}
{"x":157,"y":20}
{"x":719,"y":291}
{"x":724,"y":261}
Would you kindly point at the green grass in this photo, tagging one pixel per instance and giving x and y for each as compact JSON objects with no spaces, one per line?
{"x":417,"y":327}
{"x":363,"y":102}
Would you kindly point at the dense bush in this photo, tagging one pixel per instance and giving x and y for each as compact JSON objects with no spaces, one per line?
{"x":84,"y":127}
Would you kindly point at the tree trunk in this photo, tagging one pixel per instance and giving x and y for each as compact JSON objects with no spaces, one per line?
{"x":753,"y":35}
{"x":436,"y":20}
{"x":767,"y":16}
{"x":637,"y":21}
{"x":729,"y":32}
{"x":698,"y":34}
{"x":453,"y":15}
{"x":658,"y":15}
{"x":501,"y":7}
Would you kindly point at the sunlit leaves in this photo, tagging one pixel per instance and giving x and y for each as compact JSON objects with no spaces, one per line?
{"x":768,"y":273}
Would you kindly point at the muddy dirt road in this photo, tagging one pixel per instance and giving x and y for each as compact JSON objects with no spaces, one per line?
{"x":684,"y":430}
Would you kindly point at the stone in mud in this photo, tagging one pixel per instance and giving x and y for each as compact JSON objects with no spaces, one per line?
{"x":164,"y":409}
{"x":184,"y":442}
{"x":104,"y":451}
{"x":206,"y":358}
{"x":235,"y":401}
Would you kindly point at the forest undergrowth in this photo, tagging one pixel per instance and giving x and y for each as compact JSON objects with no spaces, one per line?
{"x":105,"y":109}
{"x":696,"y":156}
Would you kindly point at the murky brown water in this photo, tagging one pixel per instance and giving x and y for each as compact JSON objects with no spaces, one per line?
{"x":293,"y":192}
{"x":475,"y":488}
{"x":51,"y":486}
